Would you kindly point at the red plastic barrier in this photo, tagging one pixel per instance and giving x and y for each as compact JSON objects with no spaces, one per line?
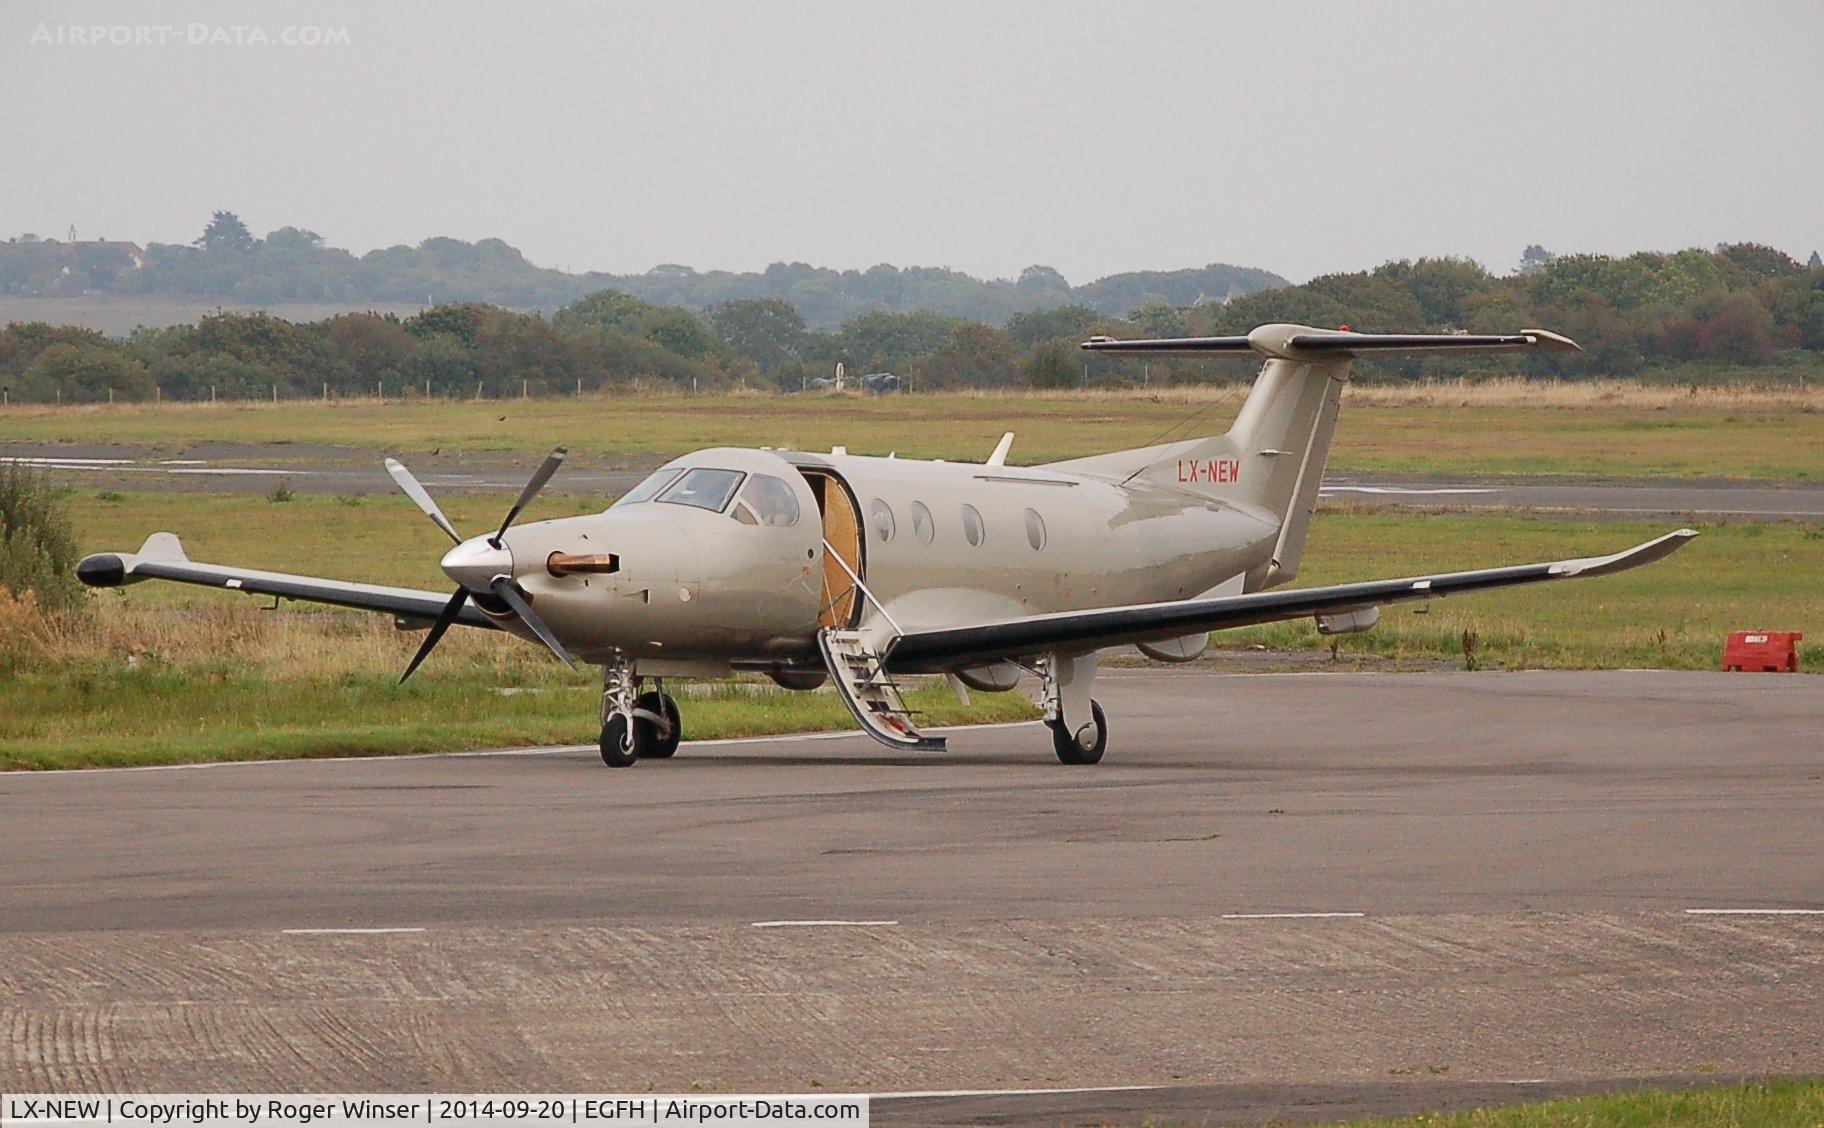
{"x":1763,"y":652}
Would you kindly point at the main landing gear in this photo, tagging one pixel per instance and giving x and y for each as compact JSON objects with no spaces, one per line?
{"x":636,"y":726}
{"x":1079,"y":727}
{"x":1087,"y":744}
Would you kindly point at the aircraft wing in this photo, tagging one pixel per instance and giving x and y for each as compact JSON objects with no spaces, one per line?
{"x":162,"y":558}
{"x":1082,"y":631}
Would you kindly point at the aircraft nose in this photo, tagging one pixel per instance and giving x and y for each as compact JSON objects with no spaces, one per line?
{"x":474,"y":563}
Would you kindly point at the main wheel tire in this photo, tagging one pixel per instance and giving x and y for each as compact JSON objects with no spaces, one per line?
{"x":650,"y":744}
{"x":619,"y":748}
{"x":1087,"y":744}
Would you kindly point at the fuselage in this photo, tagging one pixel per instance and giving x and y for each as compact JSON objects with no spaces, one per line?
{"x":723,"y":570}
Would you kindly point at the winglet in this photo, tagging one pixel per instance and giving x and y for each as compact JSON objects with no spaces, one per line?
{"x":1655,"y":549}
{"x":162,"y":546}
{"x":999,"y":457}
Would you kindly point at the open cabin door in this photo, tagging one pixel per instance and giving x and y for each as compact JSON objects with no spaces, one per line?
{"x":841,"y":602}
{"x":860,"y":676}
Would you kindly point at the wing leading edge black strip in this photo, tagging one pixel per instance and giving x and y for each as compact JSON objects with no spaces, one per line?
{"x":1168,"y":345}
{"x":403,"y":602}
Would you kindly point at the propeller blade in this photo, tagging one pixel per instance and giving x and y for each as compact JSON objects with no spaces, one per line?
{"x":444,"y":618}
{"x":537,"y":482}
{"x":418,"y":495}
{"x":503,"y":587}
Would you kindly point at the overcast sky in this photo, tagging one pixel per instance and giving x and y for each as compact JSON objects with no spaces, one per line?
{"x":986,"y":136}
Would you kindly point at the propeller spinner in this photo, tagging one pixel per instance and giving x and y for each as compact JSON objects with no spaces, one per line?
{"x":481,"y":564}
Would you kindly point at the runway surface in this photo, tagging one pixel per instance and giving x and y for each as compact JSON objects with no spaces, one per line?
{"x":349,"y":471}
{"x":1296,"y":895}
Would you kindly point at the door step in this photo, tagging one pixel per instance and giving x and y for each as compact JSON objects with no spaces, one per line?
{"x":871,"y":693}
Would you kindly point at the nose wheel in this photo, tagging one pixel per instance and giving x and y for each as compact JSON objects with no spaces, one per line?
{"x":636,"y":726}
{"x":657,"y":725}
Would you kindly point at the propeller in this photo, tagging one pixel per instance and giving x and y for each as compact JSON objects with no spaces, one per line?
{"x":503,"y":587}
{"x":420,"y":497}
{"x":533,"y":484}
{"x":444,"y":618}
{"x":500,"y":585}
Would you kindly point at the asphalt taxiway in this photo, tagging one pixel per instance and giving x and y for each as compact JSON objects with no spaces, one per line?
{"x":1280,"y":895}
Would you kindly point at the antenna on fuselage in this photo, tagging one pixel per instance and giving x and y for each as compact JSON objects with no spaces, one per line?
{"x":999,"y":457}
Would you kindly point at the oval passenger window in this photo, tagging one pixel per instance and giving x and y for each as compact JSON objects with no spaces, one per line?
{"x":883,"y":519}
{"x":921,"y":522}
{"x":972,"y":525}
{"x":1035,"y":529}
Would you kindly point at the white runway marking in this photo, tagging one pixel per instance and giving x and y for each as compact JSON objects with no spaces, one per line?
{"x":1288,"y":915}
{"x":65,"y":463}
{"x":822,"y":923}
{"x":236,"y":470}
{"x":344,"y":931}
{"x":1754,"y":912}
{"x":1013,"y":1092}
{"x":126,"y":466}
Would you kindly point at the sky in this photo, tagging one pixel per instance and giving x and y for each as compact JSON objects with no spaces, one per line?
{"x":987,"y":136}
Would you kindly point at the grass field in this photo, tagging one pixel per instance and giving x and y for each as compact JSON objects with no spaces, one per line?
{"x":1673,"y":614}
{"x":1773,"y":1104}
{"x":164,"y":672}
{"x":1612,"y":429}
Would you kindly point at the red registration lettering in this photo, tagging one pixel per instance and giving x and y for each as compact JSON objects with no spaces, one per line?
{"x":1213,"y":470}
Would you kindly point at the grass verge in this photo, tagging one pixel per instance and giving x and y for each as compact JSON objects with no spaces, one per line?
{"x":1770,"y":1104}
{"x":1496,"y":427}
{"x":121,"y":717}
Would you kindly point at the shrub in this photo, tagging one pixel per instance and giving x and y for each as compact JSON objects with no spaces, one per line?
{"x":37,"y":545}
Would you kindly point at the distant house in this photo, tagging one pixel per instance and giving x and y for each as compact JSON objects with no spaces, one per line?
{"x":133,"y":250}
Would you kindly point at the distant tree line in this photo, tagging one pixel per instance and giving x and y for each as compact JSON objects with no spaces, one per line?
{"x":1738,"y":312}
{"x":292,"y":264}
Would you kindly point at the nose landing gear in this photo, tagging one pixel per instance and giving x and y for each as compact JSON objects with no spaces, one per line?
{"x":658,"y":712}
{"x":636,"y":725}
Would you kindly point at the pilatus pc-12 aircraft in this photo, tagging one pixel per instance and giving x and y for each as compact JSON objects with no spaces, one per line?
{"x":859,"y":570}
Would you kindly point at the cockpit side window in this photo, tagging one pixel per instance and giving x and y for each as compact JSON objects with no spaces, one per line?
{"x":766,"y":500}
{"x":704,"y":489}
{"x":649,"y":488}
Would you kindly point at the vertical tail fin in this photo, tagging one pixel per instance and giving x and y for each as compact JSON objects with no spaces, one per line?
{"x":1272,"y":458}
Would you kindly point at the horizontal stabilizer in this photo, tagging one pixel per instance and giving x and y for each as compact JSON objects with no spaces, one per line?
{"x":1294,"y":342}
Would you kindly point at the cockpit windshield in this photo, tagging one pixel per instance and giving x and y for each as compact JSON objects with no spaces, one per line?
{"x":648,"y":489}
{"x":703,"y":488}
{"x":766,"y":500}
